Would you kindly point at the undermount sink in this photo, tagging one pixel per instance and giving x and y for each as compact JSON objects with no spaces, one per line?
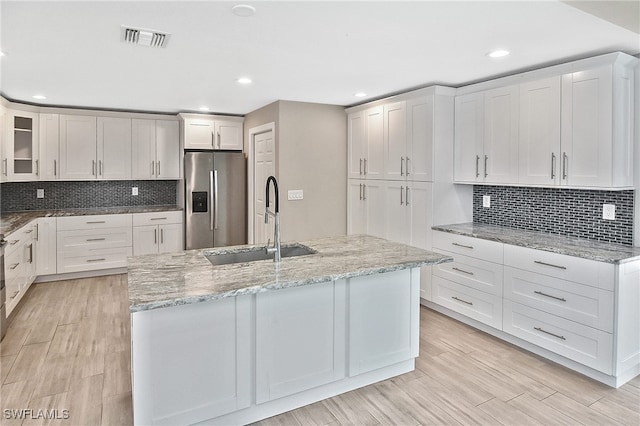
{"x":257,"y":253}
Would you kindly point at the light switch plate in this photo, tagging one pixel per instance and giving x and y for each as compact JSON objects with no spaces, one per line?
{"x":134,"y":190}
{"x":295,"y":194}
{"x":39,"y":193}
{"x":486,"y":201}
{"x":609,"y":211}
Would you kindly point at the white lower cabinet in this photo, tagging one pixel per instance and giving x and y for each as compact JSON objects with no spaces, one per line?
{"x":46,"y":246}
{"x":157,"y":233}
{"x":407,"y":205}
{"x":365,"y":210}
{"x":19,"y":265}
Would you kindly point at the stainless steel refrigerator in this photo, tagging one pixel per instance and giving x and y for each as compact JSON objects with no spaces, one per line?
{"x":215,"y":198}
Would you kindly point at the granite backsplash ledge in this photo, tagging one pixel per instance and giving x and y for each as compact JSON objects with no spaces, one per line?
{"x":566,"y":212}
{"x":21,"y":196}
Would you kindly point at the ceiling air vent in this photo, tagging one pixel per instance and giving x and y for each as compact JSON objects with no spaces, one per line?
{"x":144,"y":37}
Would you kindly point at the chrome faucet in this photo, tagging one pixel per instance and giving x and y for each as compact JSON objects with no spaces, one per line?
{"x":276,"y":229}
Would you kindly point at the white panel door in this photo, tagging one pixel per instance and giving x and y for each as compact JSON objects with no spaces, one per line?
{"x":469,"y":138}
{"x":375,"y":211}
{"x":199,"y":133}
{"x":419,"y":163}
{"x":171,"y":239}
{"x":397,"y":213}
{"x":373,"y":166}
{"x":114,"y":148}
{"x":167,"y":149}
{"x":356,"y":141}
{"x":300,"y":339}
{"x":45,"y":246}
{"x":356,"y":219}
{"x":395,"y":140}
{"x":49,"y":142}
{"x":228,"y":135}
{"x":78,"y":148}
{"x":418,"y":201}
{"x":143,"y":149}
{"x":587,"y":128}
{"x":264,"y":166}
{"x":501,"y":118}
{"x":539,"y":146}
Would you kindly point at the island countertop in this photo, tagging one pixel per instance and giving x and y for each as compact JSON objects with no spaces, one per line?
{"x":172,"y":279}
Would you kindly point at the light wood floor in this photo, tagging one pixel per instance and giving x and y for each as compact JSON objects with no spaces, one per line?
{"x":68,"y":349}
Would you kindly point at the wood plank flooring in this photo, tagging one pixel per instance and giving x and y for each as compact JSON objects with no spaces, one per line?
{"x":68,"y":348}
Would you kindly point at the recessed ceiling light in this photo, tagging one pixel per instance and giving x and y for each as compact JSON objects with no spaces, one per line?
{"x":360,"y":95}
{"x":243,"y":10}
{"x":39,"y":97}
{"x":498,"y":53}
{"x":1,"y":53}
{"x":244,"y":80}
{"x":204,"y":109}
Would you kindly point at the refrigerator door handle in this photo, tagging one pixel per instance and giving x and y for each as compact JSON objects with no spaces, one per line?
{"x":211,"y":200}
{"x":215,"y":198}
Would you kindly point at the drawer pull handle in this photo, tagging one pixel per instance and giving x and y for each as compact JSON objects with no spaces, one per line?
{"x":28,"y":231}
{"x":96,"y":239}
{"x":462,"y":245}
{"x":102,"y":259}
{"x":14,"y":242}
{"x":462,"y":270}
{"x":549,"y":333}
{"x":15,"y":294}
{"x":549,"y":264}
{"x":14,"y":266}
{"x":562,"y":299}
{"x":96,"y":221}
{"x":158,"y":218}
{"x":463,"y":301}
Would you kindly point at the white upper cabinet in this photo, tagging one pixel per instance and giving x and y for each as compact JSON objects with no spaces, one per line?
{"x":114,"y":148}
{"x":3,"y":148}
{"x":539,"y":149}
{"x":420,"y":128}
{"x":78,"y":147}
{"x":49,"y":146}
{"x":469,"y":138}
{"x":500,"y":156}
{"x":22,"y":146}
{"x":373,"y":165}
{"x":356,"y":144}
{"x":155,"y":151}
{"x":395,"y":140}
{"x":208,"y":132}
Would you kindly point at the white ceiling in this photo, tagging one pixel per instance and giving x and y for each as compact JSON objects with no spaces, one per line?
{"x":308,"y":51}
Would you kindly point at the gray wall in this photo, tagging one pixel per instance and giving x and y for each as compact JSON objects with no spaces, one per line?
{"x":637,"y":155}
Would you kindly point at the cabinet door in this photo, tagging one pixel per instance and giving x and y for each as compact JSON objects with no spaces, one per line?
{"x":373,"y":166}
{"x":143,"y":149}
{"x":469,"y":138}
{"x":356,"y":140}
{"x":356,"y":219}
{"x":419,"y":162}
{"x":539,"y":146}
{"x":228,"y":135}
{"x":46,"y":252}
{"x":168,"y":149}
{"x":78,"y":152}
{"x":30,"y":265}
{"x":114,"y":148}
{"x":49,"y":141}
{"x":418,"y":201}
{"x":397,"y":213}
{"x":145,"y":240}
{"x":501,"y":117}
{"x":395,"y":140}
{"x":375,"y":212}
{"x":586,"y":128}
{"x":22,"y":146}
{"x":198,"y":133}
{"x":4,"y":162}
{"x":171,"y":239}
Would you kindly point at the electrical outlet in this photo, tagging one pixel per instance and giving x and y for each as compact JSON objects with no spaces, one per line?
{"x":486,"y":201}
{"x":295,"y":194}
{"x":609,"y":211}
{"x":134,"y":190}
{"x":39,"y":193}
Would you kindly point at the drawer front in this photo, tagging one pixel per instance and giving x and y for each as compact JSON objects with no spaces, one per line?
{"x":94,"y":239}
{"x":93,"y":222}
{"x":14,"y":263}
{"x":89,"y":260}
{"x":584,"y":271}
{"x":586,"y":305}
{"x":18,"y":238}
{"x":586,"y":345}
{"x":475,"y":273}
{"x":490,"y":251}
{"x":158,"y":218}
{"x":478,"y":305}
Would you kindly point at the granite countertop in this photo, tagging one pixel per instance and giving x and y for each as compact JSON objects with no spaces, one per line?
{"x":12,"y":221}
{"x":571,"y":246}
{"x":171,"y":279}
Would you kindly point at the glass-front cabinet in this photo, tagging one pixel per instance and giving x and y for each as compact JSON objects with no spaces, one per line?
{"x":20,"y":154}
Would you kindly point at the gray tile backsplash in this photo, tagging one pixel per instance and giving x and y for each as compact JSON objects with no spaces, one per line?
{"x":20,"y":196}
{"x":569,"y":212}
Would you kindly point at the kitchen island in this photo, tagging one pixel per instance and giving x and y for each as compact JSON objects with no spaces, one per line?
{"x":232,"y":344}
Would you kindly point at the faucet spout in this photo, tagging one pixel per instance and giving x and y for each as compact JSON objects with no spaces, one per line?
{"x":276,"y":229}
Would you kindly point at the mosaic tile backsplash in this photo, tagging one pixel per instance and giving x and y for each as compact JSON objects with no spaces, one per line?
{"x":20,"y":196}
{"x":569,"y":212}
